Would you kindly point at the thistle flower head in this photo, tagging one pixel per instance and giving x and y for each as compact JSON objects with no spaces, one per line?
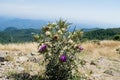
{"x":81,"y":48}
{"x":63,"y":58}
{"x":43,"y":48}
{"x":78,"y":47}
{"x":56,"y":37}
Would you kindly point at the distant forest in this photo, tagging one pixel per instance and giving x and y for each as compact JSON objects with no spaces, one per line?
{"x":14,"y":35}
{"x":103,"y":34}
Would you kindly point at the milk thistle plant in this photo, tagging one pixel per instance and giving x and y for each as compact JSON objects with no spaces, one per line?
{"x":60,"y":48}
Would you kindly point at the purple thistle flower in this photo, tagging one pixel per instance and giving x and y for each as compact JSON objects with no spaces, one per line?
{"x":43,"y":48}
{"x":81,"y":48}
{"x":63,"y":58}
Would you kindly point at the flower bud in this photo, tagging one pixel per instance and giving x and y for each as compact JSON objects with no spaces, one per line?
{"x":59,"y":32}
{"x":65,"y":48}
{"x":36,"y":37}
{"x":54,"y":24}
{"x":50,"y":27}
{"x":69,"y":36}
{"x":48,"y":33}
{"x":75,"y":46}
{"x":70,"y":41}
{"x":46,"y":28}
{"x":63,"y":29}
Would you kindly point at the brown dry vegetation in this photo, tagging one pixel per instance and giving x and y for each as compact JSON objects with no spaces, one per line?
{"x":105,"y":48}
{"x":91,"y":50}
{"x":23,"y":47}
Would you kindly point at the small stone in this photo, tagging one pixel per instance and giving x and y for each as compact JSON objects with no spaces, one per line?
{"x":34,"y":59}
{"x":2,"y":63}
{"x":92,"y":63}
{"x":1,"y":69}
{"x":20,"y":69}
{"x":34,"y":53}
{"x":0,"y":75}
{"x":3,"y":54}
{"x":109,"y":72}
{"x":2,"y":59}
{"x":24,"y":75}
{"x":23,"y":59}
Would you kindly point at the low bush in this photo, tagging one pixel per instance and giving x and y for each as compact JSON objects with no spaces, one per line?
{"x":60,"y":49}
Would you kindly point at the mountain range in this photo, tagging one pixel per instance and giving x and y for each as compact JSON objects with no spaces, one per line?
{"x":21,"y":23}
{"x":6,"y":22}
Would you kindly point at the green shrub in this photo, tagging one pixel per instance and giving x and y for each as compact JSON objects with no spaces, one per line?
{"x":60,"y":49}
{"x":116,"y":37}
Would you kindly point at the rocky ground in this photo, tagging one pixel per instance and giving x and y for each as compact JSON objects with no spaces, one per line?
{"x":23,"y":65}
{"x":29,"y":65}
{"x":101,"y":62}
{"x":102,"y":69}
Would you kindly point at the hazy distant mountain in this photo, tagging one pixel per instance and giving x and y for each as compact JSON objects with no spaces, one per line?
{"x":21,"y":23}
{"x":37,"y":24}
{"x":90,"y":29}
{"x":95,"y":25}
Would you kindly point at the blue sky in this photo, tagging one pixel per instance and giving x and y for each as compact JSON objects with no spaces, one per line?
{"x":106,"y":11}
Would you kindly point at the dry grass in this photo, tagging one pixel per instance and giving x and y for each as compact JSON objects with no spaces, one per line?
{"x":93,"y":50}
{"x":24,"y":47}
{"x":33,"y":68}
{"x":106,"y":49}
